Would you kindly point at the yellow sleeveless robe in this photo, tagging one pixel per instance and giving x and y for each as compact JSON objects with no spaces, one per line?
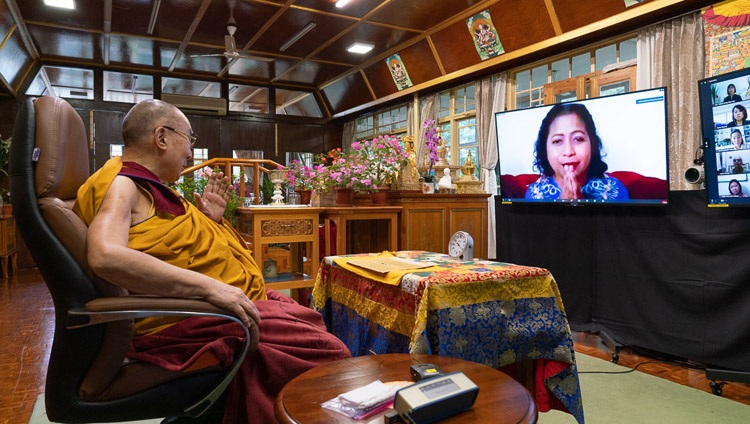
{"x":191,"y":241}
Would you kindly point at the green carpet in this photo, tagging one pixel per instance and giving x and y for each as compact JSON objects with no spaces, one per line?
{"x":640,"y":398}
{"x":615,"y":398}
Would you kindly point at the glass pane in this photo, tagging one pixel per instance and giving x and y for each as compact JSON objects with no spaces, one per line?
{"x":614,"y":88}
{"x":115,"y":150}
{"x":581,"y":64}
{"x":470,"y":93}
{"x":248,"y":99}
{"x":302,"y":157}
{"x":365,"y":127}
{"x":444,"y":106}
{"x":467,"y":131}
{"x":560,"y":70}
{"x":523,"y":80}
{"x":567,"y":96}
{"x":445,"y":134}
{"x":523,"y":100}
{"x":127,"y":88}
{"x":297,"y":103}
{"x":537,"y":96}
{"x":190,"y":87}
{"x":628,"y":50}
{"x":73,"y":83}
{"x":539,"y":76}
{"x":605,"y":56}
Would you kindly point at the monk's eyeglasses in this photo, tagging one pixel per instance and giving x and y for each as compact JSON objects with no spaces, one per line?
{"x":191,"y":138}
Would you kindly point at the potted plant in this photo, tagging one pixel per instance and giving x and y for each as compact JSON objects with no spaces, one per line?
{"x":187,"y":187}
{"x":302,"y":179}
{"x":382,"y":157}
{"x":432,"y":142}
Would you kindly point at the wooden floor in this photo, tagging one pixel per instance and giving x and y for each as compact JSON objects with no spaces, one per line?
{"x":27,"y":325}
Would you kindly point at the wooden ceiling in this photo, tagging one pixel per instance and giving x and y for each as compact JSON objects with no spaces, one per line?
{"x":431,"y":36}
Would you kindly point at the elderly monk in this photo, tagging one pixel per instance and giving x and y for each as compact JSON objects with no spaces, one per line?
{"x":144,"y":237}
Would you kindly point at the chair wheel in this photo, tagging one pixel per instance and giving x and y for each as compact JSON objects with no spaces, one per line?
{"x":615,"y":358}
{"x":717,"y":388}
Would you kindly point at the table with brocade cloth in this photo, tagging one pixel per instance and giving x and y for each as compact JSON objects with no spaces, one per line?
{"x":501,"y":315}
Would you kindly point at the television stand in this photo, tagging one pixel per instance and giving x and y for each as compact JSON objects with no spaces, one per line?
{"x":611,"y":344}
{"x":715,"y":374}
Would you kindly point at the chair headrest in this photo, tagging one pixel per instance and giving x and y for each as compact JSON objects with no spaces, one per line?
{"x":63,"y":164}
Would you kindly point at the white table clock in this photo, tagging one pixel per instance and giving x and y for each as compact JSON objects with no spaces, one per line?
{"x":461,"y":246}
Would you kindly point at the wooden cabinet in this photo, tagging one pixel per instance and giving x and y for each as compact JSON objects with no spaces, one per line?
{"x":296,"y":226}
{"x":8,"y":248}
{"x":429,"y":220}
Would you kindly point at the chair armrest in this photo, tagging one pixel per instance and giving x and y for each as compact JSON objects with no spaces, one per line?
{"x":108,"y":309}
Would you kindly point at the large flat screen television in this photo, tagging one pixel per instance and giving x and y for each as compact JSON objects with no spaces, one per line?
{"x":603,"y":151}
{"x":724,"y":102}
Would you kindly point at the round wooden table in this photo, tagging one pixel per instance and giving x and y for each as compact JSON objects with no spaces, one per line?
{"x":501,"y":399}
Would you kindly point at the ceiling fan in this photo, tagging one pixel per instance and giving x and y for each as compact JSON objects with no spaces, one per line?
{"x":230,"y":45}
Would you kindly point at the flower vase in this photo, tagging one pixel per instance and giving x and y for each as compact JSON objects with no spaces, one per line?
{"x":428,"y":185}
{"x":344,"y":196}
{"x":378,"y":197}
{"x":304,"y":196}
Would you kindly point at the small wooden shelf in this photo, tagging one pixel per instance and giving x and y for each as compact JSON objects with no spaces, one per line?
{"x":290,"y":280}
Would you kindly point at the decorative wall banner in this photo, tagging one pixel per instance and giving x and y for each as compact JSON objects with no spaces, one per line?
{"x":485,"y":37}
{"x":398,"y":71}
{"x":727,"y":36}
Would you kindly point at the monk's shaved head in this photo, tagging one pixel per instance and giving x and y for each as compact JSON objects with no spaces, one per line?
{"x":144,"y":117}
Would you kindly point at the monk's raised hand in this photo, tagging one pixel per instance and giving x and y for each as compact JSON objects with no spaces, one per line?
{"x":215,"y":196}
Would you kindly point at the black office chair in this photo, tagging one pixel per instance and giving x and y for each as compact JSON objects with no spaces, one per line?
{"x":87,"y":380}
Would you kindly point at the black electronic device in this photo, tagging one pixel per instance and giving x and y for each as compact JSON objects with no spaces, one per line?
{"x":421,"y":372}
{"x":725,"y":127}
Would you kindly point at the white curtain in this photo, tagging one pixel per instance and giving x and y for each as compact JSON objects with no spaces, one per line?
{"x":490,"y":99}
{"x":349,"y":135}
{"x":671,"y":54}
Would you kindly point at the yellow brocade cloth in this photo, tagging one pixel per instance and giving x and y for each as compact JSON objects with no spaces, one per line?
{"x":191,"y":241}
{"x":493,"y":313}
{"x":392,"y":278}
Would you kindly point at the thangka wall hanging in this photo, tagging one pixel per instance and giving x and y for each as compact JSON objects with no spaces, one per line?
{"x":398,"y":71}
{"x":725,"y":28}
{"x":485,"y":37}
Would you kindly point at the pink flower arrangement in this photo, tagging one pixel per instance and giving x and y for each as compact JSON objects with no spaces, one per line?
{"x":382,"y":158}
{"x":301,"y":176}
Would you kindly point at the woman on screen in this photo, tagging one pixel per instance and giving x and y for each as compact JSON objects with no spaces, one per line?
{"x":735,"y":189}
{"x":736,"y":138}
{"x":732,"y":95}
{"x":739,"y":113}
{"x":568,"y":157}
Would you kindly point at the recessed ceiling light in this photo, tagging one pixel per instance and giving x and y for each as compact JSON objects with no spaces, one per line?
{"x":360,"y":48}
{"x":64,"y":4}
{"x":341,"y":3}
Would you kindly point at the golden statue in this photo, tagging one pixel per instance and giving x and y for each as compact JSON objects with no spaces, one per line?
{"x":408,"y":178}
{"x":469,"y":182}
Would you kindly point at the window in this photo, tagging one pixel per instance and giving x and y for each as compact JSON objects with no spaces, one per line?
{"x":457,"y":124}
{"x":578,"y":76}
{"x":127,"y":88}
{"x":115,"y":150}
{"x":389,"y":121}
{"x":248,"y":99}
{"x":70,"y":83}
{"x":199,"y":155}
